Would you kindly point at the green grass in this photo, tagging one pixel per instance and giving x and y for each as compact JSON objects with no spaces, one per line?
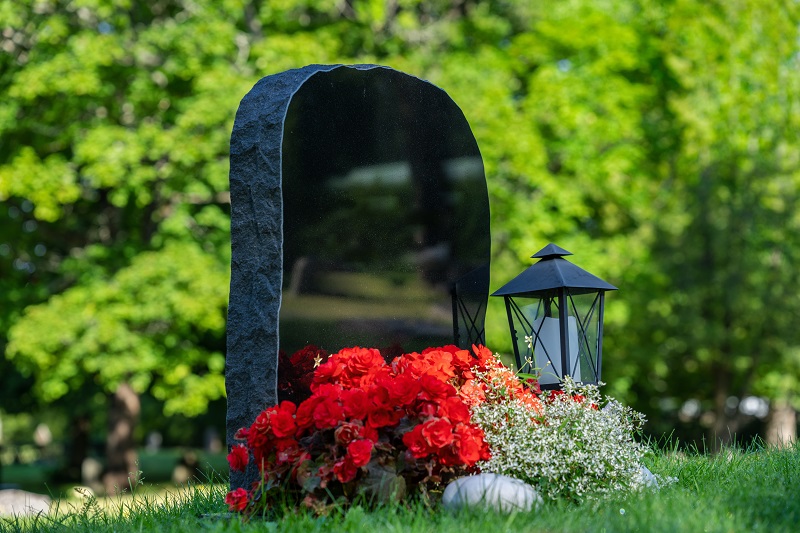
{"x":752,"y":490}
{"x":158,"y":466}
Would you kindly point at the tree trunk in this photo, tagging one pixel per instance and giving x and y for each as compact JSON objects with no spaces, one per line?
{"x":781,"y":424}
{"x":79,"y":443}
{"x":723,"y":427}
{"x":123,"y":415}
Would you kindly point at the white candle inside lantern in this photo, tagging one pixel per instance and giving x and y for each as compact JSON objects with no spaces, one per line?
{"x":549,"y":338}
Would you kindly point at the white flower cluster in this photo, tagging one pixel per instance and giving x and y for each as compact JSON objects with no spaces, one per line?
{"x":568,"y":446}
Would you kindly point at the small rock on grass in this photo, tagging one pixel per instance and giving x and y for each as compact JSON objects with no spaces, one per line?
{"x":490,"y":491}
{"x":14,"y":502}
{"x":648,"y":479}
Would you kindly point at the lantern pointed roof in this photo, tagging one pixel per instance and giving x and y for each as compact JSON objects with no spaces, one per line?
{"x":550,"y":250}
{"x":550,"y":273}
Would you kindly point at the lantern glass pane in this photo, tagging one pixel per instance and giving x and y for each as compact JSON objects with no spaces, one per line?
{"x":586,"y":310}
{"x":538,"y":337}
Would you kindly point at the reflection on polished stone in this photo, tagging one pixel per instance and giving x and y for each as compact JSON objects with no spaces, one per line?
{"x":385,"y":210}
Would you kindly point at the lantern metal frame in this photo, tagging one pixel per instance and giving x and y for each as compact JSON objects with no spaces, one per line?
{"x":469,"y":298}
{"x":555,"y":283}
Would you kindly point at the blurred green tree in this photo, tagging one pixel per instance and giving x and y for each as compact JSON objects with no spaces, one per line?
{"x":658,"y":140}
{"x":721,"y":282}
{"x":114,"y":129}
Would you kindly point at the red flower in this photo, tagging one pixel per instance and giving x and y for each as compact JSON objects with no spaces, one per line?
{"x":355,"y":403}
{"x":427,"y":409}
{"x":416,"y":443}
{"x":484,"y":355}
{"x":328,"y":414}
{"x":284,"y":444}
{"x":472,"y":393}
{"x":454,"y":409}
{"x":439,"y":363}
{"x":241,"y":434}
{"x":258,"y":442}
{"x":554,"y":394}
{"x":437,"y":432}
{"x":462,"y":362}
{"x":434,"y":389}
{"x":379,"y":397}
{"x":304,"y":418}
{"x":353,"y":417}
{"x":448,"y":456}
{"x":282,"y":421}
{"x":375,"y":373}
{"x":329,"y":390}
{"x":370,"y":433}
{"x":238,"y":458}
{"x":402,"y":390}
{"x":327,"y":372}
{"x":237,"y":500}
{"x":345,"y":470}
{"x":262,"y":457}
{"x":533,"y":385}
{"x":361,"y":360}
{"x":347,"y":433}
{"x":261,"y":425}
{"x":450,"y":348}
{"x":303,"y":360}
{"x":433,"y":362}
{"x":470,"y":444}
{"x":382,"y":417}
{"x":360,"y":452}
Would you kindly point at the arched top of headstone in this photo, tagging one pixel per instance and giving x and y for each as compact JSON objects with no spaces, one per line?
{"x":262,"y":112}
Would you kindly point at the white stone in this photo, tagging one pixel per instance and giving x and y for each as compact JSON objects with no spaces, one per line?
{"x":15,"y":502}
{"x":648,"y":479}
{"x":490,"y":491}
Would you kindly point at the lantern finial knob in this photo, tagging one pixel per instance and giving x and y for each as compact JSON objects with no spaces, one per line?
{"x":550,"y":251}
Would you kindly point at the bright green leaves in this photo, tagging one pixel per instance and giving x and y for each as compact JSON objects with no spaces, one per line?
{"x":181,"y":284}
{"x":722,"y":227}
{"x":48,"y":183}
{"x":286,"y":16}
{"x":114,"y":127}
{"x":373,"y":13}
{"x":189,"y":395}
{"x":283,"y":52}
{"x":74,"y":71}
{"x":143,"y":325}
{"x":112,"y":157}
{"x":597,"y":35}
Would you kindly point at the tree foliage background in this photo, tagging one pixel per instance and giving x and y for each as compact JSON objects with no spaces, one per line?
{"x":656,"y":139}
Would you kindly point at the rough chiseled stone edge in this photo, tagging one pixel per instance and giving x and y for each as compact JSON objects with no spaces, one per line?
{"x":251,"y":363}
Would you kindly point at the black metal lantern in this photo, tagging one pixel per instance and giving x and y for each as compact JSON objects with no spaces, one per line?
{"x":555,"y":313}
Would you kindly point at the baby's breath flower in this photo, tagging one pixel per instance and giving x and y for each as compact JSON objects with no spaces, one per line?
{"x":566,"y":446}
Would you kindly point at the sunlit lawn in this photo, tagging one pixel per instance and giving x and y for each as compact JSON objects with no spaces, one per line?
{"x":755,"y":490}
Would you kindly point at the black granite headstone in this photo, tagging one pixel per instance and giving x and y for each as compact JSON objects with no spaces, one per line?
{"x":359,"y":216}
